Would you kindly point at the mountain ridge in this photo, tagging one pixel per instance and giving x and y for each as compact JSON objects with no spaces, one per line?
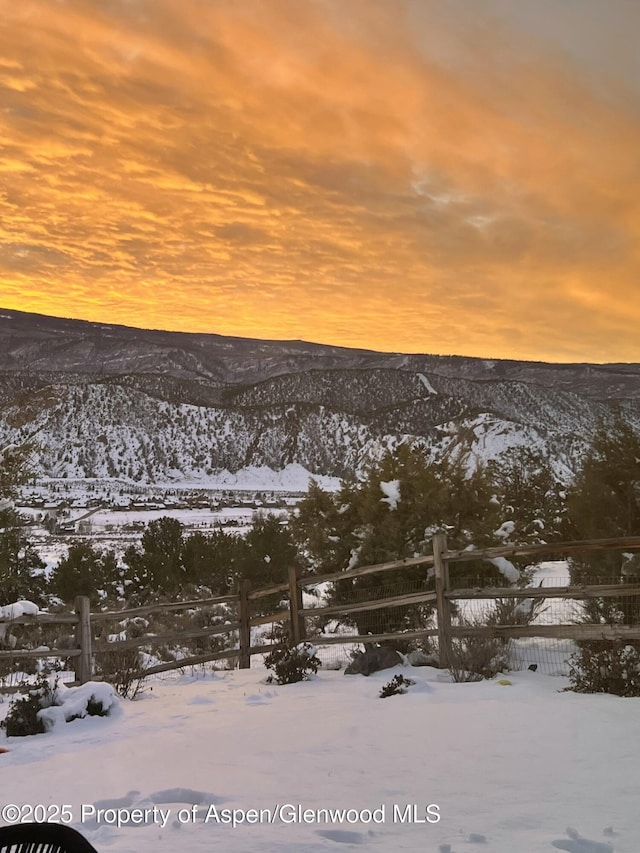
{"x":150,"y":405}
{"x":33,"y":336}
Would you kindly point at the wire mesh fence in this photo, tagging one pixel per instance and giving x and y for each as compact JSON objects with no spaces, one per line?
{"x":551,"y":655}
{"x":411,"y":618}
{"x":186,"y":636}
{"x":25,"y":652}
{"x":543,"y":654}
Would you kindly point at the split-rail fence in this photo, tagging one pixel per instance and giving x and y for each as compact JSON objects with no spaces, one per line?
{"x":441,"y":596}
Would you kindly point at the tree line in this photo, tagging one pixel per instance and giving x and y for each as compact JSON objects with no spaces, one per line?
{"x":391,"y":513}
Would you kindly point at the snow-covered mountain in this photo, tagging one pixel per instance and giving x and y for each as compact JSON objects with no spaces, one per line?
{"x":155,"y":406}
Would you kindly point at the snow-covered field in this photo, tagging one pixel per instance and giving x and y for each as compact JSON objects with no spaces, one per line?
{"x":190,"y":518}
{"x":292,"y":478}
{"x":512,"y":767}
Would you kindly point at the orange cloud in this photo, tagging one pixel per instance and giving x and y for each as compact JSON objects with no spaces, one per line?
{"x":378,"y":175}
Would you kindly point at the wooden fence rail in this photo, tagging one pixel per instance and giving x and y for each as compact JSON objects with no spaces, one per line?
{"x":82,"y":654}
{"x":115,"y":615}
{"x":546,"y":548}
{"x":296,"y":614}
{"x":592,"y":591}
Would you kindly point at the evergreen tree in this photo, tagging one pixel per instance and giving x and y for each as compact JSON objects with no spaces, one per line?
{"x":213,"y":560}
{"x":323,"y":527}
{"x":269,"y":552}
{"x":605,"y":499}
{"x":159,"y":566}
{"x":21,"y":569}
{"x":604,"y":503}
{"x":14,"y":470}
{"x":393,"y":514}
{"x":86,"y":571}
{"x":530,"y":495}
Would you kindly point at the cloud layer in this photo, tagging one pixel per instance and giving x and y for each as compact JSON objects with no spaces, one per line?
{"x":403,"y":175}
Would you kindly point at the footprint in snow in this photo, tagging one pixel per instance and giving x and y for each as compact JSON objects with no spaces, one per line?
{"x":184,"y":795}
{"x":134,"y":800}
{"x":201,"y":700}
{"x":577,"y":844}
{"x":257,"y":699}
{"x":341,"y":836}
{"x":119,"y":802}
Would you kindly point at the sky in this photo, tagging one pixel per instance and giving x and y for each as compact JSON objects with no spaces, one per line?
{"x":436,"y":176}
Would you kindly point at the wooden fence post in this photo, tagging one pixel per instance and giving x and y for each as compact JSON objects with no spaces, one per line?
{"x":83,"y":639}
{"x":244,"y":615}
{"x":297,"y":629}
{"x":443,"y":605}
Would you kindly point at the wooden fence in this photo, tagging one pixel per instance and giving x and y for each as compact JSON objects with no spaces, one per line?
{"x":297,"y":616}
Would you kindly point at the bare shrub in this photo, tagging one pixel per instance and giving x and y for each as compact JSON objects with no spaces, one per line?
{"x":516,"y":611}
{"x":479,"y":656}
{"x":224,"y":665}
{"x":7,"y":669}
{"x":122,"y":668}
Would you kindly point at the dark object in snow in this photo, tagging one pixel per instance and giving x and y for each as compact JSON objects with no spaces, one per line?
{"x":418,"y":658}
{"x":373,"y":659}
{"x":578,"y":844}
{"x":43,"y":837}
{"x":533,"y":667}
{"x":396,"y":687}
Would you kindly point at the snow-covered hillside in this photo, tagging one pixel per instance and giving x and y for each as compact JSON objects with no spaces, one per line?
{"x":106,"y":401}
{"x":99,"y":431}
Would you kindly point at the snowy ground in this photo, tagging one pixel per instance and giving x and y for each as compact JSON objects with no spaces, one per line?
{"x":512,"y":767}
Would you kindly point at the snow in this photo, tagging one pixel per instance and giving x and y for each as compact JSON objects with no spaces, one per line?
{"x":292,"y":478}
{"x":505,"y":567}
{"x":551,"y":573}
{"x":505,"y":530}
{"x":71,"y":702}
{"x":426,"y":383}
{"x":485,"y":438}
{"x":17,"y":609}
{"x":188,"y":517}
{"x":392,"y":491}
{"x":521,"y":765}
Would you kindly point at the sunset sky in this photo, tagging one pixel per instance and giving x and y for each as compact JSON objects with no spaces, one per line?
{"x":442,"y":176}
